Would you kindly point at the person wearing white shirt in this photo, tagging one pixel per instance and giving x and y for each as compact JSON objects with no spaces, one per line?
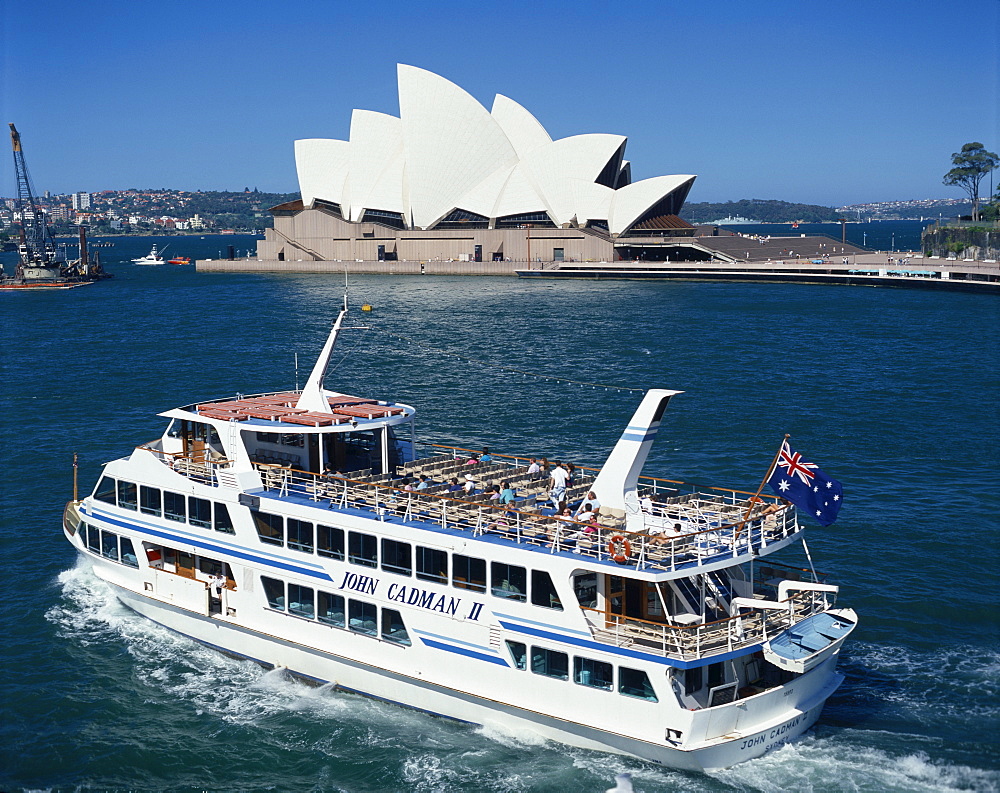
{"x":558,"y":478}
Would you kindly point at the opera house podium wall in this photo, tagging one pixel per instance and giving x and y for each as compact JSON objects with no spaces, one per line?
{"x":318,"y":235}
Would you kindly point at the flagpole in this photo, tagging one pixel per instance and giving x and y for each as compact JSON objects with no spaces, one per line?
{"x":756,"y":496}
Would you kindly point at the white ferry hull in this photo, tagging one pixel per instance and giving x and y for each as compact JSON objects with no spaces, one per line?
{"x":803,"y":701}
{"x":234,"y":529}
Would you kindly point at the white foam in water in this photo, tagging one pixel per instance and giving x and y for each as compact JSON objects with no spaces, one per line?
{"x":953,"y":682}
{"x":511,"y":737}
{"x":242,"y":693}
{"x":236,"y":691}
{"x":836,"y":764}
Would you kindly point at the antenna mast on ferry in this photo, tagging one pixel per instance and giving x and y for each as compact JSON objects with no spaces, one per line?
{"x":312,"y":397}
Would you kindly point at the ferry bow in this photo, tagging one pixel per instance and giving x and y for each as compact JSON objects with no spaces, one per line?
{"x":304,"y":530}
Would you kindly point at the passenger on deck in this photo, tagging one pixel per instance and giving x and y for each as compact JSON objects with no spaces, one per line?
{"x":658,"y":536}
{"x":563,"y":528}
{"x":558,"y":478}
{"x":585,"y":514}
{"x":423,"y":484}
{"x":407,"y":484}
{"x":470,"y":484}
{"x":454,"y":487}
{"x":534,"y":469}
{"x":486,"y":457}
{"x":506,"y":493}
{"x":591,"y":502}
{"x":571,"y":471}
{"x":646,"y":504}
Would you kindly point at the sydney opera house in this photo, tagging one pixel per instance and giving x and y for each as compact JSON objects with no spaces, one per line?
{"x":449,"y":180}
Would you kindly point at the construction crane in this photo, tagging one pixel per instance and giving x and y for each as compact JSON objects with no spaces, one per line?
{"x":39,"y":256}
{"x":41,"y":263}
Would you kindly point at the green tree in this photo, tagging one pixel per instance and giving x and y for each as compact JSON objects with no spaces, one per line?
{"x":972,"y":163}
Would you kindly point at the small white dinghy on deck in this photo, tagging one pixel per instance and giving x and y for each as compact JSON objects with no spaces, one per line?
{"x":810,"y":642}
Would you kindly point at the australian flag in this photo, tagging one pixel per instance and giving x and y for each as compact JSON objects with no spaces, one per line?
{"x":806,"y":486}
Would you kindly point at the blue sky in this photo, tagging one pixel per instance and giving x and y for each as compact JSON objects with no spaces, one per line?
{"x":826,"y":103}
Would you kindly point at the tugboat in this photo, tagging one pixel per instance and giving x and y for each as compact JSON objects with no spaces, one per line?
{"x":41,"y":265}
{"x":305,"y":531}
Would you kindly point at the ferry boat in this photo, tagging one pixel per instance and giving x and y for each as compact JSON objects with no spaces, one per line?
{"x":303,"y":529}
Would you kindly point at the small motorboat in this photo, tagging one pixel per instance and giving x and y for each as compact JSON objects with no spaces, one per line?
{"x":179,"y":260}
{"x":154,"y":257}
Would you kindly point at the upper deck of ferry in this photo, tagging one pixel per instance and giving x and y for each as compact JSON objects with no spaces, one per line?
{"x":354,"y":460}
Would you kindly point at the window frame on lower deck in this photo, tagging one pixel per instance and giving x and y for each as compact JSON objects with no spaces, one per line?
{"x":303,"y":602}
{"x":391,"y":618}
{"x":267,"y":583}
{"x":629,"y":689}
{"x":549,"y":663}
{"x":584,"y":669}
{"x":362,"y":610}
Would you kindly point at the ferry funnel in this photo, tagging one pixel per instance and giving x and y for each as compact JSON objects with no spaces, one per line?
{"x":615,"y":485}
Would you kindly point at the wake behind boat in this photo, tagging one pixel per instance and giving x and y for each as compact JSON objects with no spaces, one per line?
{"x":302,"y":529}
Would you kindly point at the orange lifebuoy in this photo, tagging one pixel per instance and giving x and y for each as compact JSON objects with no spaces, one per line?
{"x":619,"y":549}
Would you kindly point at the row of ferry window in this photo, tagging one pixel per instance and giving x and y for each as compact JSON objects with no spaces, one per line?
{"x":400,"y":558}
{"x":586,"y":671}
{"x":163,"y":503}
{"x":108,"y":544}
{"x":329,"y":609}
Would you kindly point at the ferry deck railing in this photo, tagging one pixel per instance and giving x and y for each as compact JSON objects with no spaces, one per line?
{"x":203,"y":469}
{"x":713,"y":525}
{"x":689,"y":642}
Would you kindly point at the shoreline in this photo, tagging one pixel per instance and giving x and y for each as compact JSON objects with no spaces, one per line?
{"x":906,"y":269}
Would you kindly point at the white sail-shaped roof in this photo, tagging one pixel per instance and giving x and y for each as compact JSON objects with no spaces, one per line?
{"x":447,"y":152}
{"x":376,"y":172}
{"x":634,"y":200}
{"x":451,"y":142}
{"x":522,"y":129}
{"x":322,"y":166}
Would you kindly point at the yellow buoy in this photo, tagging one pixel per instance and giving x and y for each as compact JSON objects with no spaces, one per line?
{"x":367,"y":307}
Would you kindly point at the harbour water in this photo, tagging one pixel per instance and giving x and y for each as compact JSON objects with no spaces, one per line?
{"x":893,"y":392}
{"x":883,"y":235}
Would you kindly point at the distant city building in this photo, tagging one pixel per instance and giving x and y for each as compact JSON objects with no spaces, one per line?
{"x":80,"y":201}
{"x":450,"y":179}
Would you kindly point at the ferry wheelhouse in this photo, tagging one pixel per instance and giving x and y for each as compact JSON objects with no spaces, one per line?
{"x":280,"y":527}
